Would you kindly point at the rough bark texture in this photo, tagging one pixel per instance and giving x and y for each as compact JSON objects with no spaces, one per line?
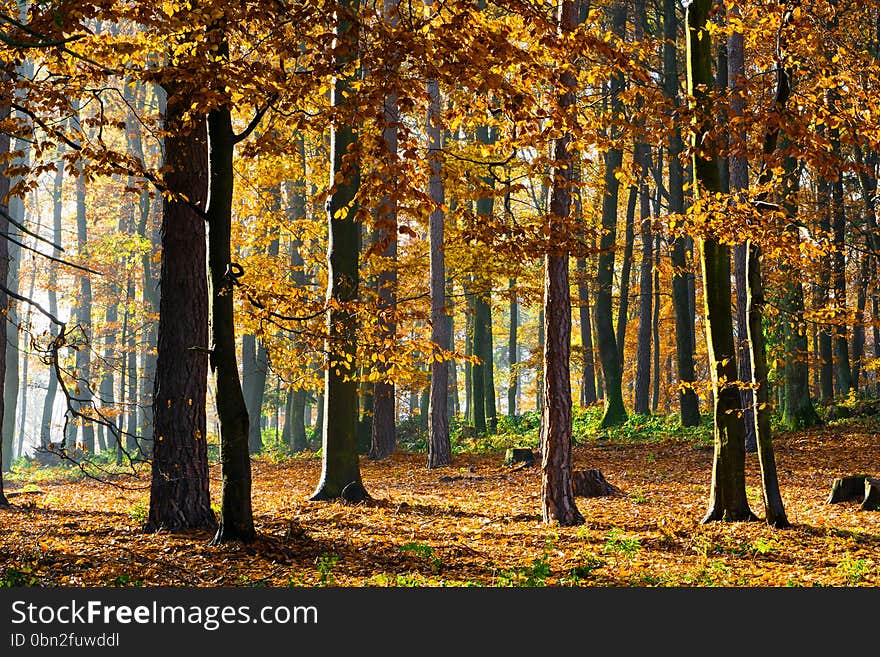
{"x":684,"y":344}
{"x":340,"y":464}
{"x":557,"y":495}
{"x":179,"y":495}
{"x":236,"y":515}
{"x":728,"y":499}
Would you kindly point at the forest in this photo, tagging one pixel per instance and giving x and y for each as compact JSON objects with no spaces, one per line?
{"x":439,"y":293}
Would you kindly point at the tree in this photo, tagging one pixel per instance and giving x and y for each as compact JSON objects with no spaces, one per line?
{"x":340,"y":473}
{"x":557,"y":494}
{"x":179,"y":494}
{"x":727,"y":499}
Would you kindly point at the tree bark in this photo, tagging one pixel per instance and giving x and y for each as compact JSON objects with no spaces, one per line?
{"x":340,"y":464}
{"x":236,"y":515}
{"x":179,"y":493}
{"x":684,"y":344}
{"x":728,"y":499}
{"x":615,"y":412}
{"x":588,"y":366}
{"x":557,"y":494}
{"x":512,"y":352}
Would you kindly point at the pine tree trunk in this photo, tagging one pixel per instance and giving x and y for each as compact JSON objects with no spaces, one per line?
{"x":179,"y":494}
{"x":728,"y":499}
{"x":557,"y":495}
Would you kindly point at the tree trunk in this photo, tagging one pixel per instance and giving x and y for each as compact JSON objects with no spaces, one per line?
{"x":439,"y":448}
{"x":340,"y":465}
{"x":798,"y":411}
{"x":615,"y":412}
{"x":478,"y":377}
{"x":646,"y":298}
{"x":684,"y":344}
{"x":383,"y":430}
{"x":826,"y":355}
{"x":557,"y":495}
{"x":728,"y":499}
{"x":629,"y":241}
{"x":4,"y":271}
{"x":655,"y":327}
{"x":82,"y":401}
{"x":739,"y":183}
{"x":236,"y":515}
{"x":858,"y":339}
{"x":512,"y":352}
{"x":51,"y":293}
{"x":588,"y":366}
{"x":843,"y":378}
{"x":179,"y":494}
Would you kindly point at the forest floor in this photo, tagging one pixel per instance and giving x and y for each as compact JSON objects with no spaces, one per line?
{"x":476,"y":523}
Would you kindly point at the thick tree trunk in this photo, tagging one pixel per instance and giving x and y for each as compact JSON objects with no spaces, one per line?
{"x":557,"y":495}
{"x":728,"y":499}
{"x":340,"y":473}
{"x":179,"y":494}
{"x":236,"y":515}
{"x":684,"y":343}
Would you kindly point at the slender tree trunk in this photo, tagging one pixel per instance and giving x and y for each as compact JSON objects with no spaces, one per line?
{"x":615,"y":412}
{"x":340,"y":473}
{"x":826,"y":356}
{"x":512,"y":352}
{"x":52,"y":294}
{"x":383,"y":436}
{"x":629,"y":241}
{"x":843,"y":378}
{"x":684,"y":344}
{"x":4,"y":272}
{"x":557,"y":495}
{"x":728,"y":499}
{"x":83,"y":399}
{"x":588,"y":366}
{"x":646,"y":298}
{"x":858,"y":339}
{"x":739,"y":183}
{"x":478,"y":377}
{"x":179,"y":494}
{"x":453,"y":409}
{"x":236,"y":515}
{"x":655,"y":398}
{"x":798,"y":411}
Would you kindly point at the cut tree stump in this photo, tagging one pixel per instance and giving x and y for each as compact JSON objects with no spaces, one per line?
{"x":591,"y":483}
{"x":872,"y":495}
{"x":519,"y":455}
{"x":845,"y":489}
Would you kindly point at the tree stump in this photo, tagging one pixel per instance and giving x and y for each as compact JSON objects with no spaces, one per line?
{"x":523,"y":455}
{"x":872,"y":495}
{"x":845,"y":489}
{"x":591,"y":483}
